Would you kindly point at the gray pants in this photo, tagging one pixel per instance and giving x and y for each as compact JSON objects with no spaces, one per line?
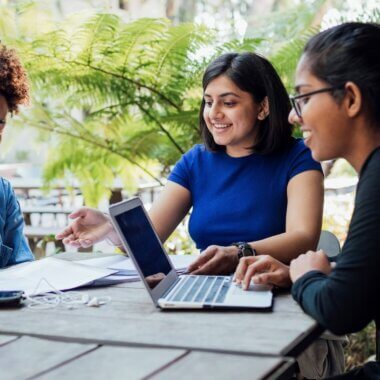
{"x":323,"y":358}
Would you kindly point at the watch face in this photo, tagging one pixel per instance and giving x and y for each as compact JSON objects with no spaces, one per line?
{"x":247,"y":250}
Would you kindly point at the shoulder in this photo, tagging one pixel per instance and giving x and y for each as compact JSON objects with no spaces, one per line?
{"x":197,"y":153}
{"x":293,"y":151}
{"x":372,"y":163}
{"x":296,"y":146}
{"x":296,"y":158}
{"x":5,"y":187}
{"x":369,"y":178}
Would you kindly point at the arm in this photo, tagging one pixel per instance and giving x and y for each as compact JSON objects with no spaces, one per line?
{"x":14,"y":247}
{"x":91,"y":226}
{"x":303,"y":227}
{"x":345,"y":300}
{"x":303,"y":219}
{"x":169,"y":209}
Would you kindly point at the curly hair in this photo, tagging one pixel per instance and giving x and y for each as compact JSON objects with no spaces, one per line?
{"x":14,"y":84}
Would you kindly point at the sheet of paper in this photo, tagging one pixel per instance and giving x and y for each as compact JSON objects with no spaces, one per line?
{"x":114,"y":279}
{"x":126,"y":267}
{"x":49,"y":274}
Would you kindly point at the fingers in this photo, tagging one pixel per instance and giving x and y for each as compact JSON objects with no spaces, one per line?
{"x":80,"y":213}
{"x":65,"y":233}
{"x":242,"y":268}
{"x":258,"y":266}
{"x":205,"y":256}
{"x":209,"y":267}
{"x":75,"y":242}
{"x":274,"y":278}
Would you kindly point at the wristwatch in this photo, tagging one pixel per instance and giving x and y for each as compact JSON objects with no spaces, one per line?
{"x":244,"y":249}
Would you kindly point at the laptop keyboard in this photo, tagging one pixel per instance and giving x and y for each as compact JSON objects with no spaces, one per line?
{"x":204,"y":289}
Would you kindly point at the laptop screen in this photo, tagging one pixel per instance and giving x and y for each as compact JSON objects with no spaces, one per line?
{"x":144,"y":245}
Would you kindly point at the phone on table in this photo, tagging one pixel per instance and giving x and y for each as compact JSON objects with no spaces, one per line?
{"x":10,"y":297}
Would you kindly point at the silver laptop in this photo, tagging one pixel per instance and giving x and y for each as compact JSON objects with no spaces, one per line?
{"x":167,"y":289}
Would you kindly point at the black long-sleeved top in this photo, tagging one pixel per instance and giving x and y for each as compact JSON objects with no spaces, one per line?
{"x":346,"y":300}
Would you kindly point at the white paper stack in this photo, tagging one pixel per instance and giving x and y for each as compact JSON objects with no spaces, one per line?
{"x":50,"y":274}
{"x":125,"y":270}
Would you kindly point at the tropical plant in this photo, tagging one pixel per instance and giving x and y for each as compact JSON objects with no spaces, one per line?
{"x":115,"y":98}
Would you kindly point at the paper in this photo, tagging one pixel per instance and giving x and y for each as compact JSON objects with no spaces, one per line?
{"x":49,"y":274}
{"x":125,"y":270}
{"x":125,"y":265}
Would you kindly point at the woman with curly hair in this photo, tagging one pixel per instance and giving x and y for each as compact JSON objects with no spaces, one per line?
{"x":14,"y":90}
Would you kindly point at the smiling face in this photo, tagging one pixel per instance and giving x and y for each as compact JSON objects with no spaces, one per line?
{"x":324,"y":122}
{"x":3,"y":114}
{"x":230,"y":115}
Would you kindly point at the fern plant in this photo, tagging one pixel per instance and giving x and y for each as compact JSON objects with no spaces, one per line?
{"x":117,"y":99}
{"x":112,"y":96}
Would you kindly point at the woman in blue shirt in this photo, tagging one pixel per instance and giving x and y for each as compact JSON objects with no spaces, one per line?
{"x":13,"y":91}
{"x":253,"y":189}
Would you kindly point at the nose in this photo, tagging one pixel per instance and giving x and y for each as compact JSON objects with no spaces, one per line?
{"x":215,"y":112}
{"x":293,"y":118}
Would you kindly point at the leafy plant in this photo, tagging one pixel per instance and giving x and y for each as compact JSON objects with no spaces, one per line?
{"x":115,"y":98}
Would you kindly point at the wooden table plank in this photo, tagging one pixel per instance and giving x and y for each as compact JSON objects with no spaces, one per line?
{"x":115,"y":363}
{"x":203,"y":365}
{"x":4,"y":339}
{"x":27,"y":357}
{"x":135,"y":320}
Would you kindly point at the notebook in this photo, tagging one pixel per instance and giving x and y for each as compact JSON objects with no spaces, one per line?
{"x":167,"y":289}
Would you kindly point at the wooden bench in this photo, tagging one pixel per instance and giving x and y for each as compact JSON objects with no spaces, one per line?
{"x":40,"y":210}
{"x":36,"y":234}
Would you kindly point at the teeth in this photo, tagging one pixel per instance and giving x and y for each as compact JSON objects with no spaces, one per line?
{"x":306,"y":134}
{"x":221,"y":126}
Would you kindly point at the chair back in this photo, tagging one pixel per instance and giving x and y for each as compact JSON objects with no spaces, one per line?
{"x":329,"y":243}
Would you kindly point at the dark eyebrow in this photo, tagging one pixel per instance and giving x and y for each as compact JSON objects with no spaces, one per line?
{"x":298,"y":87}
{"x":223,"y":95}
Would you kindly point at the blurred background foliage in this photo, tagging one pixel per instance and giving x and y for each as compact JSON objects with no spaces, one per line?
{"x":119,"y":99}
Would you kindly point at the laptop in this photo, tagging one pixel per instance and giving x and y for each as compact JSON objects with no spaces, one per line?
{"x":167,"y":289}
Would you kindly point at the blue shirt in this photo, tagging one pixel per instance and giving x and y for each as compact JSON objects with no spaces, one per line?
{"x":14,"y":248}
{"x":239,"y":198}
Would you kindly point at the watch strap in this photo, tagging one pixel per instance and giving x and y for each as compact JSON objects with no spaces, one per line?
{"x":244,"y":249}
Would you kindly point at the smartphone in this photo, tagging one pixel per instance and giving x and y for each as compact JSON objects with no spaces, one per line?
{"x":11,"y":298}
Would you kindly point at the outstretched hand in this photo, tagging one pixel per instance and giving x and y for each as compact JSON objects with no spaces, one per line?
{"x":89,"y":227}
{"x":262,"y":269}
{"x":215,"y":259}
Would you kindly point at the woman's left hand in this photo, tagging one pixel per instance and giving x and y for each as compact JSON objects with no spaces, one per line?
{"x":215,"y":259}
{"x":307,"y":262}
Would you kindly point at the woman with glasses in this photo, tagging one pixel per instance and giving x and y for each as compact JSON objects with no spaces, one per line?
{"x":14,"y":91}
{"x":337,"y":106}
{"x":252,"y":188}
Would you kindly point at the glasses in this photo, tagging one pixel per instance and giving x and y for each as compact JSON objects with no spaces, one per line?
{"x":299,"y":101}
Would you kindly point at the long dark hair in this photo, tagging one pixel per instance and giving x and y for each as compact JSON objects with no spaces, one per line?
{"x":349,"y":52}
{"x":254,"y":74}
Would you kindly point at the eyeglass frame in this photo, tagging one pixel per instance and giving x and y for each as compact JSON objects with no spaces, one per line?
{"x":293,"y":99}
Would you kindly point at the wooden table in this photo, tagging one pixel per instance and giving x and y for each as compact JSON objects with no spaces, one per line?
{"x":130,"y":338}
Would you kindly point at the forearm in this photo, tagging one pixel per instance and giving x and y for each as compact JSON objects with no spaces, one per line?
{"x":334,"y":303}
{"x":286,"y":246}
